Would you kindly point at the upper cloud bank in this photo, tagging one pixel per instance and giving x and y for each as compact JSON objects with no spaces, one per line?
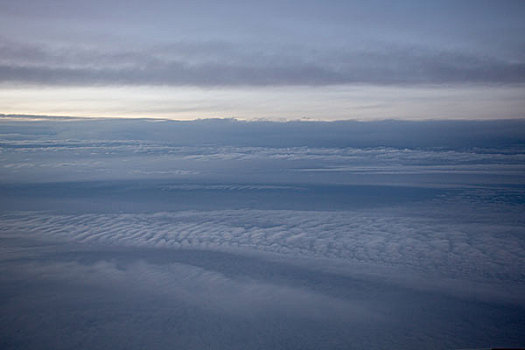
{"x":249,"y":43}
{"x":212,"y":64}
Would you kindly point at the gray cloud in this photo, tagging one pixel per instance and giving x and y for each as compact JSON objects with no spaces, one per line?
{"x":466,"y":249}
{"x":223,"y":64}
{"x":133,"y":298}
{"x":218,"y":233}
{"x":499,"y":135}
{"x":369,"y":277}
{"x":247,"y":156}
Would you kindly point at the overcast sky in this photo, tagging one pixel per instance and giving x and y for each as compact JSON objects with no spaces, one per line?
{"x":273,"y":59}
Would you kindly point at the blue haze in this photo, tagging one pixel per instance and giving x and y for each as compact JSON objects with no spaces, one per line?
{"x":224,"y":234}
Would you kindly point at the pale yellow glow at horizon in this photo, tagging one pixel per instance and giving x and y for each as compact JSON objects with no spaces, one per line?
{"x":271,"y":103}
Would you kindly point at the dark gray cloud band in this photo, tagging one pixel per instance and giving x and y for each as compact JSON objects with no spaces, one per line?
{"x":223,"y":64}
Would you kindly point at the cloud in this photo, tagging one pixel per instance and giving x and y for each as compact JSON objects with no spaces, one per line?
{"x":211,"y":64}
{"x":237,"y":295}
{"x":369,"y":278}
{"x":253,"y":237}
{"x":209,"y":133}
{"x":456,"y":247}
{"x":228,"y":152}
{"x":163,"y":304}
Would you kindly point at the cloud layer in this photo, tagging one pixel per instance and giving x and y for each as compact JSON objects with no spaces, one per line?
{"x":252,"y":44}
{"x":223,"y":234}
{"x":233,"y":152}
{"x":462,"y":246}
{"x":222,"y":64}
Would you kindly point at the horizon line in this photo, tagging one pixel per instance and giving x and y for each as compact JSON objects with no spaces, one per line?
{"x":42,"y":117}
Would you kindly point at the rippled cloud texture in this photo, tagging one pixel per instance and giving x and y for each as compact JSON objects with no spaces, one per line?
{"x":225,"y":234}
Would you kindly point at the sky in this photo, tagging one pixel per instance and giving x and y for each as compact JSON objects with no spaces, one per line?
{"x":273,"y":60}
